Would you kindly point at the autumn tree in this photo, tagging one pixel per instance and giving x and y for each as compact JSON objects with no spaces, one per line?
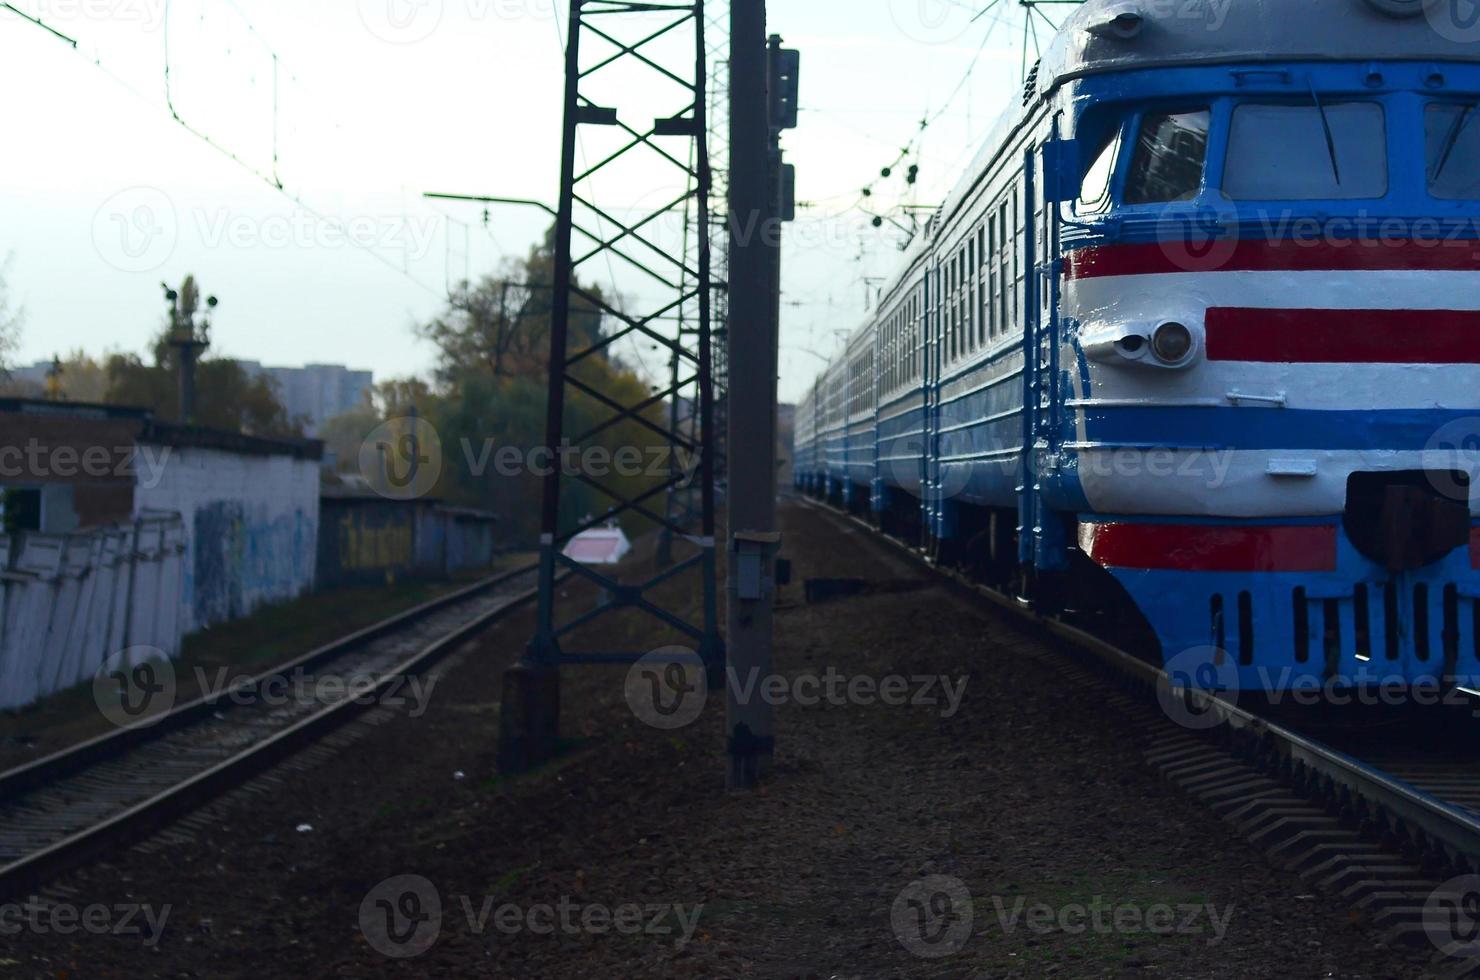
{"x":79,"y":377}
{"x":501,"y":324}
{"x":12,"y":318}
{"x":493,"y":354}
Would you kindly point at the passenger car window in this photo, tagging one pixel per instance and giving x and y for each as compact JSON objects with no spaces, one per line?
{"x":1335,"y":150}
{"x":1170,"y":153}
{"x":1452,"y":135}
{"x":1094,"y":190}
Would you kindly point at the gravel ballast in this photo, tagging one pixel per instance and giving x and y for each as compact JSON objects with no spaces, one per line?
{"x":994,"y":822}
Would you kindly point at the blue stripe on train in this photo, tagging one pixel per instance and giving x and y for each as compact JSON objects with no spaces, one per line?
{"x":1207,"y":427}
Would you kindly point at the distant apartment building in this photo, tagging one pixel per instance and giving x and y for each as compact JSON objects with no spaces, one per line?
{"x":316,"y":392}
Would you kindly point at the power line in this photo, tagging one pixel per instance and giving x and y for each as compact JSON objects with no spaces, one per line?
{"x":96,"y":62}
{"x":39,"y":23}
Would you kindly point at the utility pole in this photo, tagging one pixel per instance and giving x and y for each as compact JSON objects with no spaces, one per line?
{"x":761,"y":77}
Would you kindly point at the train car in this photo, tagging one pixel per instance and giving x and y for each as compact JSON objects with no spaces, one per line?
{"x":860,"y":409}
{"x":1197,"y":338}
{"x":804,"y":444}
{"x":831,"y":442}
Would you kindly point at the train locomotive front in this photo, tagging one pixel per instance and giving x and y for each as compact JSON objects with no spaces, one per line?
{"x":1203,"y":320}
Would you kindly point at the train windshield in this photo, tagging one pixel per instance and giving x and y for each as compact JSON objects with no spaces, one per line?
{"x":1170,"y":153}
{"x":1325,"y":151}
{"x":1094,"y":190}
{"x":1452,"y":136}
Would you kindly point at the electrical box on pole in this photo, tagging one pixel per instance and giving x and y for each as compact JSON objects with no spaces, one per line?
{"x":788,"y":192}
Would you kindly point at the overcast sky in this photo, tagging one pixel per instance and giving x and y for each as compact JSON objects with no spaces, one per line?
{"x":360,"y":106}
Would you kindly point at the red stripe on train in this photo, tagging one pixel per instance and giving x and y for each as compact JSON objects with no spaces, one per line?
{"x":1262,"y":255}
{"x":1206,"y":548}
{"x":1344,"y":336}
{"x":1475,"y":547}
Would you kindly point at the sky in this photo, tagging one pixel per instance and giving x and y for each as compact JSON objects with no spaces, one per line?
{"x":153,"y":149}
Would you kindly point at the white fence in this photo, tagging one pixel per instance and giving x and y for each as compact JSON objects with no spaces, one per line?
{"x":68,"y":602}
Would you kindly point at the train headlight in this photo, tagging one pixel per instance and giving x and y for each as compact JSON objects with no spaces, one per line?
{"x":1171,"y":343}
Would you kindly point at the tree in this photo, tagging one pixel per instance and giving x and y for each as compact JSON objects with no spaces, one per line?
{"x":230,"y":398}
{"x":501,"y":324}
{"x":12,"y":319}
{"x":80,"y":378}
{"x":399,"y":397}
{"x":493,"y":344}
{"x":344,"y":435}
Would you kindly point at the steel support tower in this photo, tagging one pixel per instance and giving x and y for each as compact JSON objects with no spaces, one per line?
{"x":623,"y":58}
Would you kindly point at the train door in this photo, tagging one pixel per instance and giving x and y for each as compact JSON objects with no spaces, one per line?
{"x":921,"y":358}
{"x":1042,"y":533}
{"x":930,"y":488}
{"x":1028,"y":486}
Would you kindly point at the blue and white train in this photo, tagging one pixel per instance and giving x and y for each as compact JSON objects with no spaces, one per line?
{"x":1196,"y":341}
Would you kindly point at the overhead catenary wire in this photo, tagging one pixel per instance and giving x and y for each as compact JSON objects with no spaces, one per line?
{"x":914,"y":147}
{"x":96,"y":62}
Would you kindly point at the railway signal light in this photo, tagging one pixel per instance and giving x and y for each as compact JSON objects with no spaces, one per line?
{"x":786,"y":65}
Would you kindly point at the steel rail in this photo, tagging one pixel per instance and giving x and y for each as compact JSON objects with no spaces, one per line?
{"x":1455,"y":828}
{"x":48,"y":769}
{"x":160,"y":809}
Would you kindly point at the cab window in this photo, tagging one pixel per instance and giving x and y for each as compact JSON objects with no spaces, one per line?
{"x":1326,"y":151}
{"x":1171,"y":151}
{"x":1452,"y":137}
{"x":1094,"y":190}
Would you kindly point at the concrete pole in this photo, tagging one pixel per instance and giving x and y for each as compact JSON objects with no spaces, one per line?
{"x":752,"y":341}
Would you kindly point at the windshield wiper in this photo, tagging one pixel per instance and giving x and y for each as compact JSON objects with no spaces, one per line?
{"x":1326,"y":125}
{"x":1450,"y":141}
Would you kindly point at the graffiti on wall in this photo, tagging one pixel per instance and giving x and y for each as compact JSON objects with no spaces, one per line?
{"x":241,"y":562}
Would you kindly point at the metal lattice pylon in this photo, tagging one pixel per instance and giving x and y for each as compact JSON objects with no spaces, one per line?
{"x":620,"y":53}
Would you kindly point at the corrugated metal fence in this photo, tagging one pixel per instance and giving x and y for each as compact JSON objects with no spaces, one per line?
{"x":68,"y":602}
{"x":364,"y":540}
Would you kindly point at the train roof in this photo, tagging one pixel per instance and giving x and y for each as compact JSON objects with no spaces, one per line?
{"x":1122,"y":35}
{"x":1126,"y":35}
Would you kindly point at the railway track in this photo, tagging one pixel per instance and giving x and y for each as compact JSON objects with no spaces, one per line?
{"x":115,"y":789}
{"x":1377,"y":818}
